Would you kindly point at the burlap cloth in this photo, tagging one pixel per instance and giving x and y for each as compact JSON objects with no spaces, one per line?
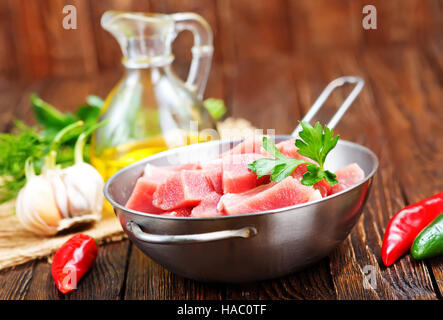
{"x":17,"y":245}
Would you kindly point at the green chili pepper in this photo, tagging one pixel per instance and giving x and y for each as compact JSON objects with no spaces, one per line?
{"x":429,"y":242}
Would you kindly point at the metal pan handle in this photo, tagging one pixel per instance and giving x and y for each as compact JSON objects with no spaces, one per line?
{"x":359,"y":84}
{"x":134,"y":228}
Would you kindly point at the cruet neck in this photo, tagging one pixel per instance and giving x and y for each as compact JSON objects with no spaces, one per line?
{"x":145,"y":39}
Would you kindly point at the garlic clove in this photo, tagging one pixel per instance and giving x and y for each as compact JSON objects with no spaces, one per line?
{"x":48,"y":230}
{"x":36,"y":207}
{"x":27,"y":220}
{"x":84,"y":186}
{"x":59,"y":189}
{"x":44,"y":201}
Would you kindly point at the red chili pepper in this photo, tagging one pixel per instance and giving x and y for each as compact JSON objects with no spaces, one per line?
{"x":406,"y":224}
{"x":72,"y":261}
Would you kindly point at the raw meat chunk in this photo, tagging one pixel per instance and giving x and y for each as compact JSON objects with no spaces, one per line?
{"x":141,"y":197}
{"x":179,"y":212}
{"x":214,"y":172}
{"x":347,"y":177}
{"x":324,"y":187}
{"x":186,"y":166}
{"x":288,"y":149}
{"x":185,"y":188}
{"x":236,"y":175}
{"x":156,"y":175}
{"x":287,"y":192}
{"x":300,"y":171}
{"x":315,"y":196}
{"x":249,"y":145}
{"x":208,"y":207}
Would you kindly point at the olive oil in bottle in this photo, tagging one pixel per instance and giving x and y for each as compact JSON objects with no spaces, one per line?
{"x":116,"y":158}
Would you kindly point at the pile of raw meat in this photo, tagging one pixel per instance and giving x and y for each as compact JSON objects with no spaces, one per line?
{"x":225,"y":186}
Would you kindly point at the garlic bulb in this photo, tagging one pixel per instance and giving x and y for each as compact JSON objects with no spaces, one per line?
{"x":60,"y":198}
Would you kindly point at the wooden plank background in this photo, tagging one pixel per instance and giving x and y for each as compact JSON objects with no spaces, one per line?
{"x":34,"y":45}
{"x":272,"y":59}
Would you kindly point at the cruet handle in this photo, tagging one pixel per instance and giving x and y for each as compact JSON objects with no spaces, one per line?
{"x":201,"y":51}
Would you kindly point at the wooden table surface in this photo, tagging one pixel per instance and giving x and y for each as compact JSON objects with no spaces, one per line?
{"x":398,"y":115}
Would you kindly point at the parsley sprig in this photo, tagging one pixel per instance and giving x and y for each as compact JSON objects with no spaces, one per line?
{"x":279,"y":168}
{"x":315,"y":143}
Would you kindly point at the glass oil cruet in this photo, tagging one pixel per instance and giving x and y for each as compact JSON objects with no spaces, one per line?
{"x":151,"y":109}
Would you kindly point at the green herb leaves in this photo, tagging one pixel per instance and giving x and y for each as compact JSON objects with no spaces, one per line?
{"x":26,"y":142}
{"x":316,"y":174}
{"x":52,"y":120}
{"x":315,"y":144}
{"x":278,"y":168}
{"x":15,"y":148}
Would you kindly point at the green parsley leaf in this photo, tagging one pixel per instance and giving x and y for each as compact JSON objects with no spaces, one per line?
{"x":283,"y":170}
{"x":263,"y":167}
{"x":315,"y":143}
{"x":278,"y":168}
{"x":268,"y":145}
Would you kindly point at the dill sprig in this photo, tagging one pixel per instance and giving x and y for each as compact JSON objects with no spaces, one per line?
{"x":15,"y":148}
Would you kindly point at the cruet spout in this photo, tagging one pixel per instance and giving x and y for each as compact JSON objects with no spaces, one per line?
{"x":143,"y":37}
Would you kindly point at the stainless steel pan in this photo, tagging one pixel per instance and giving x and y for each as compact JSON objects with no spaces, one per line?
{"x":253,"y":246}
